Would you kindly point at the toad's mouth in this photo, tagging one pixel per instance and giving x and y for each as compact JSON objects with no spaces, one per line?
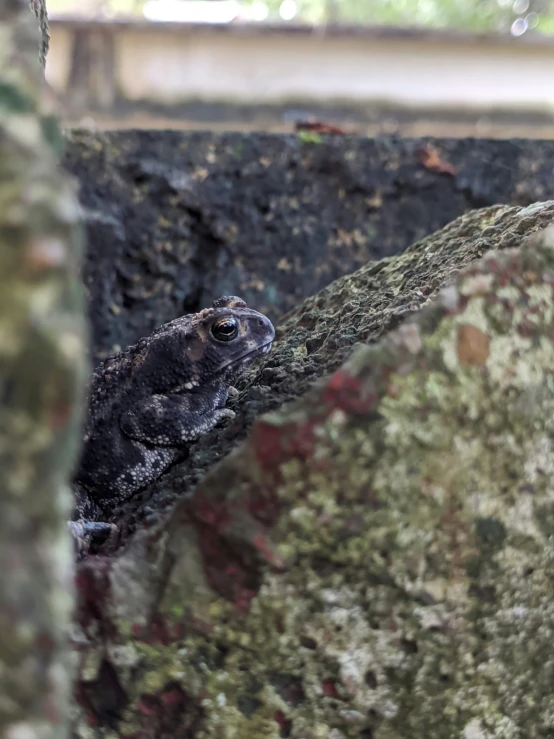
{"x":246,"y":359}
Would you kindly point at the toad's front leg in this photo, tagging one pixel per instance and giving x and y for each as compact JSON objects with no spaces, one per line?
{"x":172,"y":420}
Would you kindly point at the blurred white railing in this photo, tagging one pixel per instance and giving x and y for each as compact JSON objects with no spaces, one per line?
{"x":102,"y":66}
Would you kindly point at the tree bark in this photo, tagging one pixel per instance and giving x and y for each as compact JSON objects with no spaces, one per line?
{"x":42,"y":373}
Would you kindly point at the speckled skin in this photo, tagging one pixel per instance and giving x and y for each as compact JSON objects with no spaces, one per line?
{"x":147,"y":402}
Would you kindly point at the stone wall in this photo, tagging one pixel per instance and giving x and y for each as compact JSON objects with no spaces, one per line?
{"x":175,"y":219}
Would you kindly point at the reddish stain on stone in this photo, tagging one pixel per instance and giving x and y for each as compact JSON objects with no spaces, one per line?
{"x":266,"y":440}
{"x":266,"y":548}
{"x":212,"y":513}
{"x":262,"y":504}
{"x":91,"y":719}
{"x":231,"y":578}
{"x":82,"y":700}
{"x":344,"y":392}
{"x":159,"y":633}
{"x":173,"y":697}
{"x":93,"y":589}
{"x":285,"y":725}
{"x":226,"y":571}
{"x":242,"y":603}
{"x":274,"y":445}
{"x":147,"y":705}
{"x":330,"y":689}
{"x":295,"y":693}
{"x":233,"y":542}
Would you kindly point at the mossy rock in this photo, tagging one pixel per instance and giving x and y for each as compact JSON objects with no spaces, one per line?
{"x":376,"y":560}
{"x":319,"y":335}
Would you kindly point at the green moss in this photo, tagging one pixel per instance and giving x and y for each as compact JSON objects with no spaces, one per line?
{"x":309,"y":137}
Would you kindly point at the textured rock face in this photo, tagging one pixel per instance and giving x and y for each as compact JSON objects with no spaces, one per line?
{"x":414,"y":494}
{"x":376,"y":560}
{"x":320,"y":334}
{"x":174,"y":219}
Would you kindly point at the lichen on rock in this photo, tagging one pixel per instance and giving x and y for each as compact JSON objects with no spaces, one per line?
{"x":376,"y":560}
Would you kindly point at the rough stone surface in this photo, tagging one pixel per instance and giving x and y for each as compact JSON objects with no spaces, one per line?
{"x":315,"y":338}
{"x":376,"y":561}
{"x":174,"y":219}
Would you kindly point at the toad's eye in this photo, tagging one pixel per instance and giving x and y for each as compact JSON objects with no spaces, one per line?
{"x":226,"y":329}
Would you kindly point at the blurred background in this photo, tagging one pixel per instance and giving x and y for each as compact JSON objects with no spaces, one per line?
{"x":413,"y":67}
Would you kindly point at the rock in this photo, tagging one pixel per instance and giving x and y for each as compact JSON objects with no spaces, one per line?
{"x":175,"y":219}
{"x":320,"y":334}
{"x":376,"y":560}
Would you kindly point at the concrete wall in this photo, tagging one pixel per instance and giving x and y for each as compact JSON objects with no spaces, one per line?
{"x":99,"y":65}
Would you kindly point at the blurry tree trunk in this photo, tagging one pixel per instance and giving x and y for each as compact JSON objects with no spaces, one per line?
{"x":41,"y":381}
{"x":39,"y":9}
